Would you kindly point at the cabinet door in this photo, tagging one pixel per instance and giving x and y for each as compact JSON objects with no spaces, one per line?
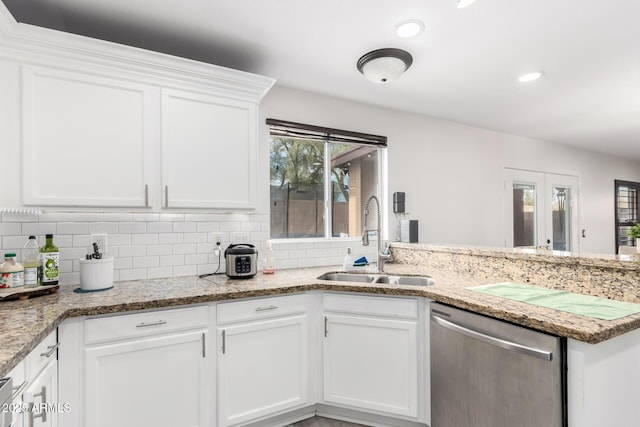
{"x":86,"y":139}
{"x":42,"y":395}
{"x":371,"y":364}
{"x":159,"y":382}
{"x":209,"y":152}
{"x":262,"y":369}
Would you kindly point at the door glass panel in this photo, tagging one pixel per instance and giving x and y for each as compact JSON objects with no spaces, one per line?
{"x":524,"y":215}
{"x":561,"y":218}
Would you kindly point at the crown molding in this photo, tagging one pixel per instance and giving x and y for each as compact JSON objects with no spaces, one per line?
{"x":52,"y":46}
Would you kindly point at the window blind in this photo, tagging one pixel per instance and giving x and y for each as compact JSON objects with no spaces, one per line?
{"x":285,"y":129}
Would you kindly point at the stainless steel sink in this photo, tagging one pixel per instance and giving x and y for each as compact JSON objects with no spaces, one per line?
{"x":348,"y":277}
{"x":407,"y":280}
{"x":374,"y":278}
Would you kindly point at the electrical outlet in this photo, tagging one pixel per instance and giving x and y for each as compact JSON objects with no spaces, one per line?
{"x":101,"y":240}
{"x":215,"y":238}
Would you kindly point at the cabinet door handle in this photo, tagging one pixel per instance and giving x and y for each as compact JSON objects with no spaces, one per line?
{"x":146,"y":195}
{"x":156,"y":323}
{"x":224,"y":344}
{"x":42,"y":413}
{"x":271,"y":307}
{"x":52,"y":349}
{"x":166,"y":196}
{"x":326,"y":326}
{"x":203,"y":347}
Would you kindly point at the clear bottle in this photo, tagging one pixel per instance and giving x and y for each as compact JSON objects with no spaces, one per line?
{"x":31,"y":262}
{"x":11,"y":272}
{"x":49,"y":262}
{"x":268,"y":263}
{"x":347,"y":265}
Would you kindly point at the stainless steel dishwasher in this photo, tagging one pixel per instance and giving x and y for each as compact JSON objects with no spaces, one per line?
{"x":490,"y":373}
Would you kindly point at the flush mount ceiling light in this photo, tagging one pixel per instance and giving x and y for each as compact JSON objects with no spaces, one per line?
{"x":465,"y":3}
{"x":409,"y":29}
{"x":384,"y":65}
{"x":529,"y":77}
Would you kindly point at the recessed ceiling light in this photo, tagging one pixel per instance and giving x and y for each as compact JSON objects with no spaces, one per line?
{"x":465,"y":3}
{"x":409,"y":29}
{"x":529,"y":77}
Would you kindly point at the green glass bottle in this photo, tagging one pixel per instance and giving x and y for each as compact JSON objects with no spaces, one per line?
{"x":49,"y":262}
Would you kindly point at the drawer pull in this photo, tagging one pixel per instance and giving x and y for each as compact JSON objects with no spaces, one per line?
{"x":52,"y":349}
{"x":156,"y":323}
{"x":271,"y":307}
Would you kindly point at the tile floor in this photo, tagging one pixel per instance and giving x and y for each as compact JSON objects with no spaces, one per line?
{"x":323,"y":422}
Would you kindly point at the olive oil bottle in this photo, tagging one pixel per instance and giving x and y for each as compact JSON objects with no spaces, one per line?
{"x":49,"y":262}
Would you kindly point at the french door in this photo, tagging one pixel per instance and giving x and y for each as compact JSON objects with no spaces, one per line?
{"x":541,"y":210}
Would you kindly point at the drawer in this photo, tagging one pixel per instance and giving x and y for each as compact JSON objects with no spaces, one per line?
{"x":261,"y":308}
{"x":142,"y":324}
{"x":371,"y":305}
{"x":41,"y":355}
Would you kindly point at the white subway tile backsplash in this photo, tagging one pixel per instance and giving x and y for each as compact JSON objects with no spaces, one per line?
{"x":171,"y":260}
{"x":154,"y":245}
{"x":159,"y":227}
{"x":118,"y":216}
{"x":159,"y":272}
{"x":171,"y":238}
{"x":185,"y":248}
{"x":159,"y":250}
{"x":121,"y":263}
{"x":171,"y":217}
{"x":132,"y":227}
{"x":133,"y":274}
{"x":195,"y":237}
{"x":133,"y":250}
{"x":103,"y":227}
{"x":39,"y":228}
{"x":196,"y":259}
{"x":73,"y":228}
{"x":146,"y":261}
{"x":195,"y":217}
{"x":144,"y":239}
{"x":146,"y":217}
{"x":230,"y":226}
{"x":10,"y":228}
{"x":204,"y":227}
{"x":184,"y":227}
{"x":118,"y":240}
{"x":185,"y":270}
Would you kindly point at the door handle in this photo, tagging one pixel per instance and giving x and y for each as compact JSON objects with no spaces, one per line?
{"x":488,"y":339}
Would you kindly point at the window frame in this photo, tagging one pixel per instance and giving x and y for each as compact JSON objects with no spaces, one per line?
{"x":327,"y":136}
{"x":617,"y":223}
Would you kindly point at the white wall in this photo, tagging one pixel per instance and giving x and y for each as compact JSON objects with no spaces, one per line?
{"x":452,"y":174}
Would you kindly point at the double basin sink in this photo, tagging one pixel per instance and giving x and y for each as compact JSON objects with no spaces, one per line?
{"x":378,"y":278}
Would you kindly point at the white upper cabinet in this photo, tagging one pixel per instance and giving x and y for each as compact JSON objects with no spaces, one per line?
{"x":86,"y":140}
{"x":97,"y":124}
{"x":209,"y":147}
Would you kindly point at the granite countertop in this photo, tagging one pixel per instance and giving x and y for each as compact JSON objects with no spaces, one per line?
{"x":26,"y":323}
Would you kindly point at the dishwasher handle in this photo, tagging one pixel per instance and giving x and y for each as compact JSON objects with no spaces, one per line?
{"x":508,"y":345}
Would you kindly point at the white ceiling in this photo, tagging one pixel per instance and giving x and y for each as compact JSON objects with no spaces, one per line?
{"x":466,"y":62}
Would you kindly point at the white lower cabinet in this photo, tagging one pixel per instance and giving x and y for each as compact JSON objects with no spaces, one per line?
{"x":370,"y":354}
{"x":146,"y":369}
{"x":42,"y":397}
{"x":263,"y":354}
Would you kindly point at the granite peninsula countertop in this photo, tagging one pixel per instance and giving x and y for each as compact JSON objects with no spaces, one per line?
{"x":26,"y":323}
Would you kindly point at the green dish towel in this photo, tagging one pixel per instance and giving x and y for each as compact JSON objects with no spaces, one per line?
{"x":585,"y":305}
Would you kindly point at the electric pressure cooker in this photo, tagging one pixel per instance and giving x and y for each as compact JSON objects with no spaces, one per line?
{"x":242,"y":260}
